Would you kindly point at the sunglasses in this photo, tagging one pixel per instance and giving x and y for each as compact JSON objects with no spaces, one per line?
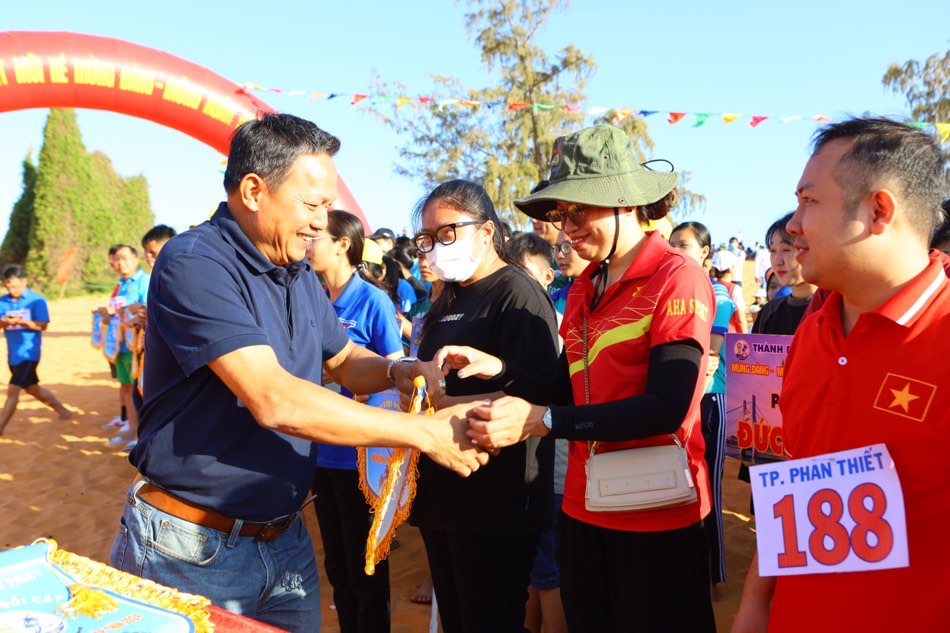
{"x":574,"y":213}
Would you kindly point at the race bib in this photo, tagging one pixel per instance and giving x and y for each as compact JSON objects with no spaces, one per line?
{"x":23,"y":314}
{"x":831,"y":513}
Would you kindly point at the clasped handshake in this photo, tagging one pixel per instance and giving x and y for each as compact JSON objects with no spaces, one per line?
{"x":482,"y":424}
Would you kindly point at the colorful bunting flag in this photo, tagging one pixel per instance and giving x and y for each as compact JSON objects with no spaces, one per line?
{"x":943,"y":128}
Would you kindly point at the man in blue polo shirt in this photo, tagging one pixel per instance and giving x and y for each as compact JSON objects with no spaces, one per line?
{"x":24,"y":317}
{"x":239,"y":332}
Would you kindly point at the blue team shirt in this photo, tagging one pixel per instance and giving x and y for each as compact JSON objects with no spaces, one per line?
{"x":725,"y":307}
{"x":23,"y":344}
{"x":212,"y":292}
{"x":406,"y":294}
{"x":135,"y":290}
{"x":369,"y":319}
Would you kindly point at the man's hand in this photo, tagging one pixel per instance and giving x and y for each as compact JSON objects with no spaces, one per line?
{"x":404,"y":373}
{"x":449,"y":445}
{"x":468,"y":361}
{"x":506,"y":421}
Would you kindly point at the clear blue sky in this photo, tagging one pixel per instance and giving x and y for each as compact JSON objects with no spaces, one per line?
{"x":804,"y":57}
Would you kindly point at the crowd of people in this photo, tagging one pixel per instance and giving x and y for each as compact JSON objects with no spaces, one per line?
{"x":598,"y":331}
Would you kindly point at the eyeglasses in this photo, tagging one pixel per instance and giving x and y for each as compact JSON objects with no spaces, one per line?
{"x":564,"y":248}
{"x":445,"y":234}
{"x":573,"y":213}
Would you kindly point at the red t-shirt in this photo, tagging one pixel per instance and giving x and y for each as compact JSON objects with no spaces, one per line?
{"x":846,"y":392}
{"x":663,"y":297}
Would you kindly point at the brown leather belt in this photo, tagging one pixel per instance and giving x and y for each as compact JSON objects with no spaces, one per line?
{"x":206,"y":517}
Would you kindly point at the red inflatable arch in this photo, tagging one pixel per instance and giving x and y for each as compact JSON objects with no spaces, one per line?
{"x":40,"y":69}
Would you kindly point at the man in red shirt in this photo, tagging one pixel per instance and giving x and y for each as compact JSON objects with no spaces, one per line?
{"x":870,"y":367}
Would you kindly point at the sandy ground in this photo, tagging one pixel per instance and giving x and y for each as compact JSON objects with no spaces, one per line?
{"x":59,"y":479}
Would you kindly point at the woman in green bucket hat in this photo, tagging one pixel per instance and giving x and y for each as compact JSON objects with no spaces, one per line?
{"x":636,"y":335}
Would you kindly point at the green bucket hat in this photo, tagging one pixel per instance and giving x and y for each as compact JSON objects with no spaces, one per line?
{"x":596,"y":167}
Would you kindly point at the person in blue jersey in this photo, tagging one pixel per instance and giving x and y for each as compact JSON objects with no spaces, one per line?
{"x":693,"y":239}
{"x":24,"y":317}
{"x":571,"y":266}
{"x":369,"y":319}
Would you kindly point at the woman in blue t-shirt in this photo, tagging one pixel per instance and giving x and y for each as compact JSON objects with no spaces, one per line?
{"x":369,"y":318}
{"x":693,"y":239}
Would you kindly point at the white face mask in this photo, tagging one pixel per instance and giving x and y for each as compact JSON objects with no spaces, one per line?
{"x":454,"y":262}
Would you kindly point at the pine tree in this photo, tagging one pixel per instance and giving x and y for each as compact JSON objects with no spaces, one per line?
{"x":17,"y":241}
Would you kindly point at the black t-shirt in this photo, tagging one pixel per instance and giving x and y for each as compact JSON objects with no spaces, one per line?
{"x":780,"y":316}
{"x":508,"y":315}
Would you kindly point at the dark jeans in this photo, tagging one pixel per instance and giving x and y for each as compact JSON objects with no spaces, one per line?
{"x":625,"y":582}
{"x":480,"y":581}
{"x":362,"y":602}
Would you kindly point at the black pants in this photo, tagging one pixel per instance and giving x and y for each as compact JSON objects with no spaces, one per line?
{"x":362,"y":602}
{"x":625,"y":582}
{"x":713,"y":414}
{"x":480,"y":581}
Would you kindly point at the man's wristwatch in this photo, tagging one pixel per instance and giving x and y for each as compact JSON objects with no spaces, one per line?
{"x":546,"y":419}
{"x":392,"y":363}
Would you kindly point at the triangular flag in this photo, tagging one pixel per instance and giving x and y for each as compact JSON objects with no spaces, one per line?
{"x":646,"y":113}
{"x":621,"y":114}
{"x":944,"y":130}
{"x":378,"y":99}
{"x":756,"y":119}
{"x":919,"y":124}
{"x":248,"y":86}
{"x":401,"y":101}
{"x":294,"y":93}
{"x":675,"y":117}
{"x":315,"y":95}
{"x":597,"y":110}
{"x":446,"y":102}
{"x":357,"y":99}
{"x":700,"y":119}
{"x":543,"y":106}
{"x":786,"y":119}
{"x":821,"y":118}
{"x":729,"y":117}
{"x":470,"y":103}
{"x":518,"y":105}
{"x":570,"y":107}
{"x":426,"y":99}
{"x":334,"y":95}
{"x":275,"y":89}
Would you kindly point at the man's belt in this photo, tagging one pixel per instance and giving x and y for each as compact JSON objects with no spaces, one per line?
{"x":206,"y":517}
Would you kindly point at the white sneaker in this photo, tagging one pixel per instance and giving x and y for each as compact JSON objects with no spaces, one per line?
{"x":114,"y":423}
{"x":130,"y":445}
{"x":124,"y":428}
{"x":118,"y":440}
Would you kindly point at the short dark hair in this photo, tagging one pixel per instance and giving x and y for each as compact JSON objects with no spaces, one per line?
{"x":269,"y":145}
{"x":115,"y":248}
{"x":158,"y":233}
{"x":887,"y":153}
{"x":700,"y":232}
{"x":781,"y":227}
{"x":941,"y":235}
{"x":523,"y":245}
{"x":12,"y":271}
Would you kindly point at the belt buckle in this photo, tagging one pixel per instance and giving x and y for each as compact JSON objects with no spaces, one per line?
{"x":273,"y":529}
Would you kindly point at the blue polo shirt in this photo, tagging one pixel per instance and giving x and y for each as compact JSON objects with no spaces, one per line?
{"x":369,"y":318}
{"x":406,"y":294}
{"x":23,"y":344}
{"x":724,"y":309}
{"x":135,"y":290}
{"x":213,"y":292}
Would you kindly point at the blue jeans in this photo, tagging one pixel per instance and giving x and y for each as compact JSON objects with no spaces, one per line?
{"x":274,"y":582}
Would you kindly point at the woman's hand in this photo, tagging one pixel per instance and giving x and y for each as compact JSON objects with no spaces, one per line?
{"x":505,"y":421}
{"x":468,"y":361}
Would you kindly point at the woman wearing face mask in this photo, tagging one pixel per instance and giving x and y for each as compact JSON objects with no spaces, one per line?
{"x":636,"y":335}
{"x":369,"y":317}
{"x":480,"y":533}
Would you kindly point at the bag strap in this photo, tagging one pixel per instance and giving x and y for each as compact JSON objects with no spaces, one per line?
{"x":592,"y":446}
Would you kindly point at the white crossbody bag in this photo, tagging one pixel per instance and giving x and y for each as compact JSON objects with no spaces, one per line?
{"x":644,"y":478}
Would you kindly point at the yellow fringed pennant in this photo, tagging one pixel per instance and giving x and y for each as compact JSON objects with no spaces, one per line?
{"x":397,"y":486}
